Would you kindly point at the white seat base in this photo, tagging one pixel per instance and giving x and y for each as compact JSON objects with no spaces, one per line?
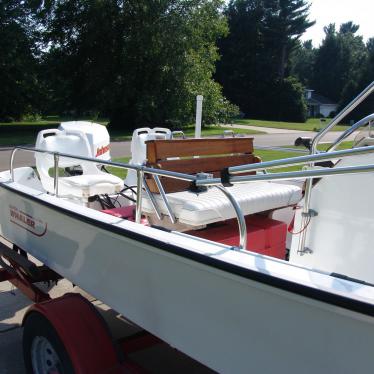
{"x":198,"y":209}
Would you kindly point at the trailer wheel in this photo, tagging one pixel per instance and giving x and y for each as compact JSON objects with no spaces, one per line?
{"x":43,"y":351}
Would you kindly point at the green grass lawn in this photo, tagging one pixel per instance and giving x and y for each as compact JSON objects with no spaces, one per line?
{"x":312,"y":124}
{"x":266,"y":155}
{"x":269,"y":155}
{"x":51,"y":121}
{"x":118,"y":171}
{"x":25,"y":132}
{"x":18,"y":139}
{"x":218,"y":130}
{"x":190,"y":131}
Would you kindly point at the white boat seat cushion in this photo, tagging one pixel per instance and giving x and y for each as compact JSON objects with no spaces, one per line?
{"x":197,"y":209}
{"x":90,"y":185}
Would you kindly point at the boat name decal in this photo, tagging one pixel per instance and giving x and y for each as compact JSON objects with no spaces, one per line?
{"x":27,"y":222}
{"x":104,"y":149}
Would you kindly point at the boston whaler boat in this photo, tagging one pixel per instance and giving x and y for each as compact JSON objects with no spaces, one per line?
{"x":240,"y":269}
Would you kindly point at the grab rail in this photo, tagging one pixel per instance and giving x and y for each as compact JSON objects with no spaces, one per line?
{"x":313,"y":149}
{"x":145,"y":169}
{"x":345,"y":111}
{"x":240,"y":217}
{"x":309,"y":175}
{"x":141,"y":170}
{"x":288,"y":175}
{"x":300,"y":160}
{"x":350,"y":131}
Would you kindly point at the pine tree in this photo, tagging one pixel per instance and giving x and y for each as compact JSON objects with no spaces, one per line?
{"x":285,"y":23}
{"x":339,"y":61}
{"x":256,"y":54}
{"x":302,"y":63}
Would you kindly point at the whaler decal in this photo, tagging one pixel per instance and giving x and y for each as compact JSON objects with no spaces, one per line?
{"x":35,"y":226}
{"x":104,"y":149}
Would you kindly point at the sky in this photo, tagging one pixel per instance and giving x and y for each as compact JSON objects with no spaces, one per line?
{"x":340,"y":11}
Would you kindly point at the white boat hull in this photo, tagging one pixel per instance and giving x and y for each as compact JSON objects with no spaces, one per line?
{"x":234,"y":319}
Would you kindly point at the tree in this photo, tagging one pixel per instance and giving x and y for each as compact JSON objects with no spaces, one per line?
{"x":286,"y":21}
{"x":348,"y":28}
{"x":287,"y":101}
{"x":339,"y":61}
{"x":19,"y":90}
{"x":241,"y":64}
{"x":353,"y":88}
{"x":256,"y":54}
{"x":139,"y":62}
{"x":302,"y":63}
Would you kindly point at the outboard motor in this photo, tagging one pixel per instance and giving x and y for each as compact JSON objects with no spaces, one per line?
{"x":139,"y":148}
{"x":97,"y":136}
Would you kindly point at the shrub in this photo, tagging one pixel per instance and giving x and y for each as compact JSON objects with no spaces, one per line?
{"x":332,"y":114}
{"x":287,"y":103}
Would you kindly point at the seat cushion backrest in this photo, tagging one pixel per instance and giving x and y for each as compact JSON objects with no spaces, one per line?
{"x":192,"y":156}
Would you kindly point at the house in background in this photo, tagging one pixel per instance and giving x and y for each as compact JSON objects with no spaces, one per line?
{"x":319,"y":105}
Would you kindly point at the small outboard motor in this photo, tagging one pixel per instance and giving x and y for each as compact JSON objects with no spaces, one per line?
{"x":139,"y":148}
{"x":97,"y":136}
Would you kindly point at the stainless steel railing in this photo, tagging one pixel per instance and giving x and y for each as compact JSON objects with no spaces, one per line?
{"x":145,"y":169}
{"x":292,"y":175}
{"x":313,"y":150}
{"x":305,"y":174}
{"x":299,"y":160}
{"x":233,"y":177}
{"x":140,"y":170}
{"x":343,"y":113}
{"x":367,"y":120}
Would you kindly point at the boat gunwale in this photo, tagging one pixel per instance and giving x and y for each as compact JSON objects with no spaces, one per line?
{"x":321,"y":295}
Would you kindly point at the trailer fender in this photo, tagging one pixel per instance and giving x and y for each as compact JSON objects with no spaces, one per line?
{"x":82,"y":331}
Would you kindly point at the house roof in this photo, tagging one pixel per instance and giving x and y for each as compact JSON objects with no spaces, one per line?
{"x":319,"y":100}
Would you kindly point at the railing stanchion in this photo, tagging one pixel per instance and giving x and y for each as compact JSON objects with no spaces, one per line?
{"x":165,"y":199}
{"x":139,"y":195}
{"x":12,"y":162}
{"x":239,"y":216}
{"x":152,"y":200}
{"x":56,"y":171}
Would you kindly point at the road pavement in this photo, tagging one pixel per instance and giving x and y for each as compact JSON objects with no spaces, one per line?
{"x":122,"y":149}
{"x":267,"y":130}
